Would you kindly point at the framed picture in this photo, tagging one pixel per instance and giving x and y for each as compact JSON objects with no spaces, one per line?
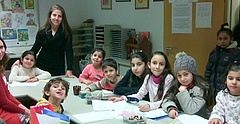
{"x":123,"y":0}
{"x":106,"y":4}
{"x":29,"y":4}
{"x":141,"y":4}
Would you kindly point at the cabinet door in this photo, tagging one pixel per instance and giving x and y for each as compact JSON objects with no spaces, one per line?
{"x":200,"y":42}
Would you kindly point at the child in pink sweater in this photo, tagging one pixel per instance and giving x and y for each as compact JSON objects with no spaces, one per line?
{"x":93,"y":72}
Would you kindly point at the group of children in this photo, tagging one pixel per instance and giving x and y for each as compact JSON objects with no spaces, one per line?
{"x":152,"y":80}
{"x":189,"y":92}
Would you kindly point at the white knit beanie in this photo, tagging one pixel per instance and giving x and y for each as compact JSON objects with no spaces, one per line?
{"x":185,"y":62}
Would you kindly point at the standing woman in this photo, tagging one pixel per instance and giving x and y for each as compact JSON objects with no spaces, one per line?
{"x":11,"y":110}
{"x":54,"y":39}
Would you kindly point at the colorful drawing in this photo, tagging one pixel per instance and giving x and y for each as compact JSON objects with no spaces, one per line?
{"x":23,"y":34}
{"x":9,"y":34}
{"x":6,"y":20}
{"x":18,"y":20}
{"x":29,"y":4}
{"x":17,"y":6}
{"x":31,"y":19}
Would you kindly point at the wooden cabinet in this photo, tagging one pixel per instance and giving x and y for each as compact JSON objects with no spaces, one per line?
{"x":133,"y":46}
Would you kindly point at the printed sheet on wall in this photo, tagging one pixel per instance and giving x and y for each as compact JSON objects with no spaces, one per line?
{"x":18,"y":22}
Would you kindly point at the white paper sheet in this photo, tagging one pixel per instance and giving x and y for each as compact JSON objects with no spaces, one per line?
{"x":155,"y":113}
{"x":23,"y":84}
{"x":107,"y":92}
{"x":188,"y":119}
{"x":99,"y":105}
{"x":204,"y":15}
{"x":45,"y":119}
{"x":94,"y":116}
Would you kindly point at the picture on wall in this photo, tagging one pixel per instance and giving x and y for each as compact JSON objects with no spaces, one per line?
{"x":141,"y":4}
{"x":9,"y":33}
{"x":29,"y":4}
{"x":106,"y":4}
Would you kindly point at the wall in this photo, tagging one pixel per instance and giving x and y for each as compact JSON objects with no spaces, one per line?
{"x":233,"y":12}
{"x":125,"y":15}
{"x":76,"y":10}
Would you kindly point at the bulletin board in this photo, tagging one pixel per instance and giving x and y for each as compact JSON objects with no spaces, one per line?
{"x":18,"y":22}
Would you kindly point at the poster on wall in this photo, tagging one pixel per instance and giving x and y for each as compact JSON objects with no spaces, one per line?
{"x":18,"y":22}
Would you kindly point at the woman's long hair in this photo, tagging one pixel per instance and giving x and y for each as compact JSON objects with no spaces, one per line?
{"x":3,"y":62}
{"x":144,"y":58}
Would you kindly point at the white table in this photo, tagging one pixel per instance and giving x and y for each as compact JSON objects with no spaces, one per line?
{"x":73,"y":104}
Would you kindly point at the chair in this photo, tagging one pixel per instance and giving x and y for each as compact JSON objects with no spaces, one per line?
{"x":84,"y":62}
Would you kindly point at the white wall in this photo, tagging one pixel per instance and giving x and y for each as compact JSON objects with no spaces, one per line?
{"x":76,"y":10}
{"x":122,"y":13}
{"x":125,"y":15}
{"x":233,"y":12}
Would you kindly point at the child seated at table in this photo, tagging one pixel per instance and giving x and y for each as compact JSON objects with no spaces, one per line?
{"x":227,"y":110}
{"x":27,"y":71}
{"x":110,"y":70}
{"x":190,"y":92}
{"x":54,"y":92}
{"x":155,"y":84}
{"x":93,"y":72}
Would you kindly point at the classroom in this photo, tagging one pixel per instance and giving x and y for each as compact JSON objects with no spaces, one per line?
{"x":155,"y":17}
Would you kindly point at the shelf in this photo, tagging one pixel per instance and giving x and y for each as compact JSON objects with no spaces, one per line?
{"x":83,"y":39}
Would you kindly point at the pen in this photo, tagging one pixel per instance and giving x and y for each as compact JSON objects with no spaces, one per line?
{"x":161,"y":117}
{"x":158,"y":118}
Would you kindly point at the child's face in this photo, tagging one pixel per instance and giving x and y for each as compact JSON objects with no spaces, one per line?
{"x":233,"y":82}
{"x":157,"y":65}
{"x":138,"y":66}
{"x":57,"y":91}
{"x":97,"y":58}
{"x":110,"y":73}
{"x":223,"y":39}
{"x":28,"y":61}
{"x":185,"y":77}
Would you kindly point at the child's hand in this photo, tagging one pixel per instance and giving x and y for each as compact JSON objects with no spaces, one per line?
{"x":87,"y":89}
{"x":182,"y":88}
{"x":115,"y":99}
{"x":27,"y":112}
{"x":16,"y":63}
{"x":87,"y":82}
{"x":144,"y":108}
{"x":31,"y":76}
{"x":32,"y":79}
{"x":173,"y":113}
{"x":215,"y":121}
{"x":69,"y":74}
